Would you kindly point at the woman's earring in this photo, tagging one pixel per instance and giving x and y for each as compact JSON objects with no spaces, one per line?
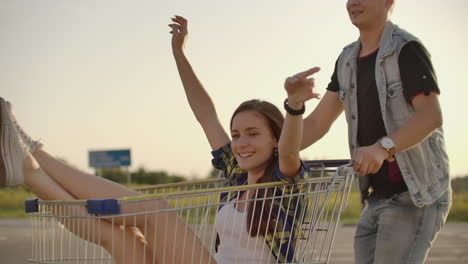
{"x":276,"y":151}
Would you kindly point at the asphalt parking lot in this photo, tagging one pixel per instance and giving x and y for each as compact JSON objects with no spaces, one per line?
{"x":451,"y":246}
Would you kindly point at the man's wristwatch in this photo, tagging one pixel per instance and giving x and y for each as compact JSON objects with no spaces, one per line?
{"x":388,"y":144}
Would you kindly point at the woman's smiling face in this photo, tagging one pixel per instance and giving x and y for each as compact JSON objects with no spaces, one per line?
{"x":253,"y":142}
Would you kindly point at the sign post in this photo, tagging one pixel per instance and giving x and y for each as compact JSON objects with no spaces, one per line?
{"x":109,"y":159}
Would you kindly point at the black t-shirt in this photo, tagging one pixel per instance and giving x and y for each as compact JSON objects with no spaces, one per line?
{"x":417,"y":76}
{"x":416,"y":71}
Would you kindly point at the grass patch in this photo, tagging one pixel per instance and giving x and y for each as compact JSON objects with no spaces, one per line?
{"x":353,"y":209}
{"x":12,"y":205}
{"x":459,"y":210}
{"x":12,"y":201}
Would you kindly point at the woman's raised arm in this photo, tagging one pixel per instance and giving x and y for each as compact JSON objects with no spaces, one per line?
{"x":199,"y":100}
{"x":299,"y":89}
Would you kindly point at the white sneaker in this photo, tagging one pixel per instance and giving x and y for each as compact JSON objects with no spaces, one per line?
{"x":32,"y":145}
{"x":12,"y":150}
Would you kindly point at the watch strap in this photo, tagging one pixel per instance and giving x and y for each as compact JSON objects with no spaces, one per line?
{"x":391,"y":151}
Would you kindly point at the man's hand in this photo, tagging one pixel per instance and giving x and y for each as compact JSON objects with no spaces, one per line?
{"x":179,"y":33}
{"x":300,"y":88}
{"x":368,"y":160}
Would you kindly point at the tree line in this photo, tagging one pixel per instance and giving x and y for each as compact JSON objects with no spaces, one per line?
{"x":140,"y":176}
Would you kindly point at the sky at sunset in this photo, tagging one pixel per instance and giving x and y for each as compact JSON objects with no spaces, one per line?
{"x":99,"y":74}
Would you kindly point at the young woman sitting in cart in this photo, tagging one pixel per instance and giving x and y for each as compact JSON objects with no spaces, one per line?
{"x":264,"y":147}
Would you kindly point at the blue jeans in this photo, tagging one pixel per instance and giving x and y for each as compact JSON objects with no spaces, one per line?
{"x":395,"y":231}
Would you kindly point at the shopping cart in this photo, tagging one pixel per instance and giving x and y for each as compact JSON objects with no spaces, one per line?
{"x":71,"y":231}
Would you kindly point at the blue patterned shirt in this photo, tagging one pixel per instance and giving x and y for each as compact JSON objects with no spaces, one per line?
{"x":286,"y":211}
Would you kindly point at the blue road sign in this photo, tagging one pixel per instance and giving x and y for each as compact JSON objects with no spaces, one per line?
{"x":109,"y":159}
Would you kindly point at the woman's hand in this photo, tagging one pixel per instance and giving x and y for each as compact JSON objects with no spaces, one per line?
{"x":198,"y":98}
{"x":179,"y":33}
{"x":300,"y":88}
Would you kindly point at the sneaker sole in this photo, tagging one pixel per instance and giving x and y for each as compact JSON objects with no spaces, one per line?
{"x":2,"y":159}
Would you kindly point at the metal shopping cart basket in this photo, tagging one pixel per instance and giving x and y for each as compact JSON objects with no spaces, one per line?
{"x":161,"y":225}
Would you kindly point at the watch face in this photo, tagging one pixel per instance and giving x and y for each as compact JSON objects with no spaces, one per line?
{"x":387,"y":143}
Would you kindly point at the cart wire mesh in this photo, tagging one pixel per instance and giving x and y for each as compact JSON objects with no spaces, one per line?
{"x":180,"y":222}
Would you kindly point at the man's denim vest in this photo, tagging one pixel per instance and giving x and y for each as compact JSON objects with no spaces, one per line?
{"x":424,"y":167}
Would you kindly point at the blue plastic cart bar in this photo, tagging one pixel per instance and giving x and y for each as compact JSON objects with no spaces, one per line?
{"x":103,"y":206}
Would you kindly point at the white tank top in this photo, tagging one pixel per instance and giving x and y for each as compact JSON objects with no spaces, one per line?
{"x":237,"y":246}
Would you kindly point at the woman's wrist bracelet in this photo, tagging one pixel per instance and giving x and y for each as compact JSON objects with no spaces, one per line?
{"x":293,"y":111}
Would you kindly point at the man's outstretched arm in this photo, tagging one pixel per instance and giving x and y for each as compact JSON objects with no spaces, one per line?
{"x":317,"y":124}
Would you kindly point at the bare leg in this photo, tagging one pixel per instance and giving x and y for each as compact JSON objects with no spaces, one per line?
{"x":52,"y":179}
{"x":86,"y":186}
{"x":158,"y":228}
{"x":47,"y":189}
{"x":82,"y":185}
